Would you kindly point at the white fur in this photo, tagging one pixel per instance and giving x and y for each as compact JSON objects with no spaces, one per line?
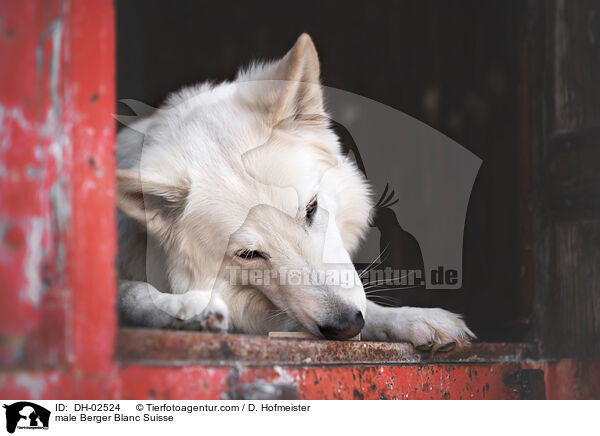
{"x":231,"y":167}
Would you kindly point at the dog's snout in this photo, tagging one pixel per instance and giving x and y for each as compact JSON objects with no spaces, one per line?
{"x":346,"y":327}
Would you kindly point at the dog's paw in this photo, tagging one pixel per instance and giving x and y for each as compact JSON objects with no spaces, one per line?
{"x":215,"y":317}
{"x":438,"y":330}
{"x":196,"y":314}
{"x":428,"y":329}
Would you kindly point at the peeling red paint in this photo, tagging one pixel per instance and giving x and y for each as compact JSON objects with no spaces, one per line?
{"x":55,"y":256}
{"x":434,"y":381}
{"x":92,"y":241}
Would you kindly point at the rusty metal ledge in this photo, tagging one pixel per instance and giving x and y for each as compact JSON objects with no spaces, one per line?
{"x":176,"y":348}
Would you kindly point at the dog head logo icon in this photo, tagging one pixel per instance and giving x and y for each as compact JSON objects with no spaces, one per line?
{"x":26,"y":415}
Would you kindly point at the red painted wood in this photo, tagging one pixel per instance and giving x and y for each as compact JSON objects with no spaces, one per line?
{"x":92,"y":242}
{"x":57,"y":232}
{"x":564,"y":379}
{"x":34,"y":178}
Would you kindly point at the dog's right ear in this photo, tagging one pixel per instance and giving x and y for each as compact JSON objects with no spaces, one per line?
{"x":288,"y":90}
{"x":150,"y":200}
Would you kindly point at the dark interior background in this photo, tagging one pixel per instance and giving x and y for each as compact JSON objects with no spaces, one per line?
{"x":401,"y":53}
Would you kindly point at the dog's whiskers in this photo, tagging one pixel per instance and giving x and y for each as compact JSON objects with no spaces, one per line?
{"x":400,"y":288}
{"x":386,"y":303}
{"x":277,"y":313}
{"x":382,"y":281}
{"x":371,"y":265}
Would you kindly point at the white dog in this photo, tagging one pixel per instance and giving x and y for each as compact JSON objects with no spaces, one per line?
{"x":233,"y":189}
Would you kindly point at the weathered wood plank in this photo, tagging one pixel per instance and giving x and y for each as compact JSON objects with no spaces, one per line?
{"x":175,"y":348}
{"x":576,"y":43}
{"x":576,"y":304}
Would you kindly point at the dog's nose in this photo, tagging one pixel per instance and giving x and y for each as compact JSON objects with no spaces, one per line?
{"x":346,"y":328}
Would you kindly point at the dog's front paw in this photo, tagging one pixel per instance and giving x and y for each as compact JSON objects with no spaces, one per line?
{"x":427,"y":329}
{"x":196,"y":314}
{"x":438,"y":330}
{"x":215,"y":317}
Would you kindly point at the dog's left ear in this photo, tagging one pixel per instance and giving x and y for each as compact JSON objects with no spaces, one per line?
{"x":289,"y":89}
{"x":150,"y":200}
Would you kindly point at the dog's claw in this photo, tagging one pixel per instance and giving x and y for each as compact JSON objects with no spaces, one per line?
{"x":425,"y":347}
{"x":447,"y":347}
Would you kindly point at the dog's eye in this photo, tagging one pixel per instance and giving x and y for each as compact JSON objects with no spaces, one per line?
{"x":249,"y":254}
{"x":311,"y":209}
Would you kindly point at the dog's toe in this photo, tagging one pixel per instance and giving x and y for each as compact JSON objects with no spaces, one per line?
{"x":214,"y":321}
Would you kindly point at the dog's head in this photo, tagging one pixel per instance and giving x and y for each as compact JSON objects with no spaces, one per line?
{"x":246,"y":181}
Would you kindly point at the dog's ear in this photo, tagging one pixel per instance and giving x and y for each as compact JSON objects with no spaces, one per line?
{"x":153,"y":202}
{"x":289,"y":89}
